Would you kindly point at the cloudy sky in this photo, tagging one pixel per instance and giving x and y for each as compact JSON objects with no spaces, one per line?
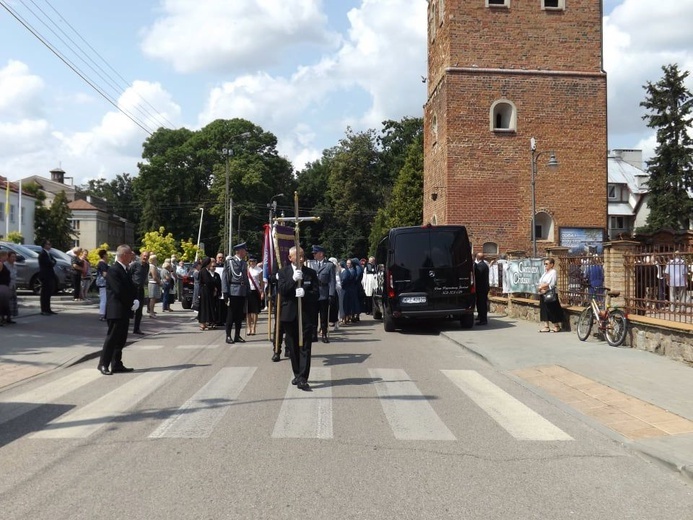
{"x":301,"y":69}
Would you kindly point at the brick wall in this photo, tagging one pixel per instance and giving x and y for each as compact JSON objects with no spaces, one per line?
{"x":548,"y":65}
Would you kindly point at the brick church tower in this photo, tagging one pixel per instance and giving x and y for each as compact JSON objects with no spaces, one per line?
{"x":499,"y":73}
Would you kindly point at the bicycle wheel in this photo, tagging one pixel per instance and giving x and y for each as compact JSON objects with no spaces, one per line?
{"x":584,"y":324}
{"x":616,"y":328}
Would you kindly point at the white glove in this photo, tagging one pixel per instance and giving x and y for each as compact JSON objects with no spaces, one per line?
{"x":298,"y":275}
{"x":135,"y":305}
{"x":300,"y":292}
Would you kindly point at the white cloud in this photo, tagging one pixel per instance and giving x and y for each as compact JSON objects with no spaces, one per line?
{"x":638,"y":41}
{"x":382,"y":59}
{"x":219,"y":35}
{"x":19,"y":91}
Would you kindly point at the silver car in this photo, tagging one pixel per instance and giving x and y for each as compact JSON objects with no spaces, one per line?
{"x":28,"y":268}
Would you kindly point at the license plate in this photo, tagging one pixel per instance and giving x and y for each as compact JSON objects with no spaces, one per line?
{"x":414,"y":299}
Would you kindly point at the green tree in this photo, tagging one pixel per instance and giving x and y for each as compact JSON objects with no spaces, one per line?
{"x":93,"y":255}
{"x":119,"y":193}
{"x":189,"y":251}
{"x":15,"y":237}
{"x":405,"y":204}
{"x":162,"y":244}
{"x":54,"y":223}
{"x":669,"y":104}
{"x":352,"y":193}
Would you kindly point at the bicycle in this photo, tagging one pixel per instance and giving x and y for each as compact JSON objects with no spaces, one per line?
{"x":612,"y":322}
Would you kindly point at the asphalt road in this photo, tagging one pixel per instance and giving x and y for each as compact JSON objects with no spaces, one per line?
{"x":400,"y":425}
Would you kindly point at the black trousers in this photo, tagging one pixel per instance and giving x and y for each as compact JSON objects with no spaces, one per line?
{"x":300,"y":356}
{"x":117,"y":335}
{"x":323,"y":312}
{"x":138,"y":312}
{"x":47,"y":290}
{"x":76,"y":285}
{"x":235,"y":315}
{"x":482,"y":306}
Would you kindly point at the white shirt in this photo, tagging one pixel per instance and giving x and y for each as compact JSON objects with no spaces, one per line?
{"x":549,"y":277}
{"x":676,"y":269}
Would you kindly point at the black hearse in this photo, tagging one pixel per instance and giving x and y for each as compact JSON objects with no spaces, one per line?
{"x":424,"y":272}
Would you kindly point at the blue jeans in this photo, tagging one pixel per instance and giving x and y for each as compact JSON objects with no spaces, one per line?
{"x":165,"y":295}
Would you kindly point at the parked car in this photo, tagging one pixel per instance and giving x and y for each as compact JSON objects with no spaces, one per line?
{"x":28,"y":268}
{"x":61,"y":255}
{"x":424,"y":272}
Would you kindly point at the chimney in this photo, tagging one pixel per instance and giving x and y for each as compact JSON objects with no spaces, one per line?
{"x":58,"y":175}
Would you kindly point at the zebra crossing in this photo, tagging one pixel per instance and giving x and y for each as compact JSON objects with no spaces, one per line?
{"x":302,"y":415}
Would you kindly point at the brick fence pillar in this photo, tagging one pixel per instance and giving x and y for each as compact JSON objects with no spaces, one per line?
{"x":614,"y":270}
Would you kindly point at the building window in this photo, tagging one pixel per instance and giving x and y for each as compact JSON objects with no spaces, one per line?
{"x":12,"y":213}
{"x":434,"y":128}
{"x":497,"y":3}
{"x":490,"y":248}
{"x":2,"y":212}
{"x":441,"y":11}
{"x":543,"y":226}
{"x":432,"y":19}
{"x":553,"y":5}
{"x":75,"y":224}
{"x":613,"y":192}
{"x":617,"y":223}
{"x":503,"y":116}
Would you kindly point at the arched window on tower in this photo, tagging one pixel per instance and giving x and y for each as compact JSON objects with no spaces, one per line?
{"x":503,"y":116}
{"x":543,"y":225}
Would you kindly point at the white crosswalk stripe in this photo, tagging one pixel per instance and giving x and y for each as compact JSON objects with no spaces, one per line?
{"x":200,"y":414}
{"x":86,"y":420}
{"x":409,"y":413}
{"x":23,"y":403}
{"x":302,"y":415}
{"x":307,"y":414}
{"x":517,"y":419}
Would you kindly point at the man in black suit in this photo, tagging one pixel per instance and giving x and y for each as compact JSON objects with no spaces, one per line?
{"x":298,"y":287}
{"x":139,"y":271}
{"x":327,"y":286}
{"x":120,"y":304}
{"x":46,"y":275}
{"x":481,"y":277}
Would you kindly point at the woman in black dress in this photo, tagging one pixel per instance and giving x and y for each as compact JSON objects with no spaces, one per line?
{"x":206,"y":316}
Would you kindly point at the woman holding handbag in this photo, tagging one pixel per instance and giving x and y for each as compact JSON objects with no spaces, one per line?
{"x":101,"y":271}
{"x":550,"y":310}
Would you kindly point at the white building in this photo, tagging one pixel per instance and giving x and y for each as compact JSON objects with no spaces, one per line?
{"x":16,"y":211}
{"x":627,"y":193}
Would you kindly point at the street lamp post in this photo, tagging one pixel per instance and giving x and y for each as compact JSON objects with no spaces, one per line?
{"x":553,"y":163}
{"x":272,"y":206}
{"x":228,"y":152}
{"x":199,"y":234}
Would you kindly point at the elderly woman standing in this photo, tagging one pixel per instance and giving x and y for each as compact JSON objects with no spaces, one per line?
{"x":166,"y":286}
{"x":550,"y":312}
{"x":153,"y":286}
{"x":86,"y":275}
{"x":256,"y":295}
{"x":206,"y":316}
{"x":77,"y":270}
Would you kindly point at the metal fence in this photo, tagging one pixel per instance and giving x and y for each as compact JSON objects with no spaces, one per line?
{"x":659,"y":284}
{"x":576,"y":275}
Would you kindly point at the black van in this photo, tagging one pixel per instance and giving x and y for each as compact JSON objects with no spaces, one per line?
{"x":424,"y":272}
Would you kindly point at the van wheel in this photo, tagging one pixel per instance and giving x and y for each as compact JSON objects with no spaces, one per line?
{"x":388,"y":323}
{"x":467,"y":321}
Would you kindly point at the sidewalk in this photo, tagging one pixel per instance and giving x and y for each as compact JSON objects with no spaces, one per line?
{"x":638,"y":398}
{"x":38,"y":344}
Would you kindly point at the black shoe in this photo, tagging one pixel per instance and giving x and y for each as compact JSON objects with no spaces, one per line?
{"x":104,"y":370}
{"x":10,"y":322}
{"x":45,"y":314}
{"x":121,"y":369}
{"x":302,"y":384}
{"x":276,"y":357}
{"x":325,"y":340}
{"x":315,"y":338}
{"x":482,"y":322}
{"x":51,"y":312}
{"x":239,"y":339}
{"x":229,"y":340}
{"x":286,"y":353}
{"x":138,"y":332}
{"x":294,"y":381}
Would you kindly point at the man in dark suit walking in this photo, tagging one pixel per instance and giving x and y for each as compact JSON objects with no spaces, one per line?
{"x":139,"y":272}
{"x":327,"y":288}
{"x":120,"y":304}
{"x":46,"y":275}
{"x":298,"y":284}
{"x":481,"y":278}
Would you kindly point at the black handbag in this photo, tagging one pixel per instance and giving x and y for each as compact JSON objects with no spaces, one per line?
{"x":550,"y":295}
